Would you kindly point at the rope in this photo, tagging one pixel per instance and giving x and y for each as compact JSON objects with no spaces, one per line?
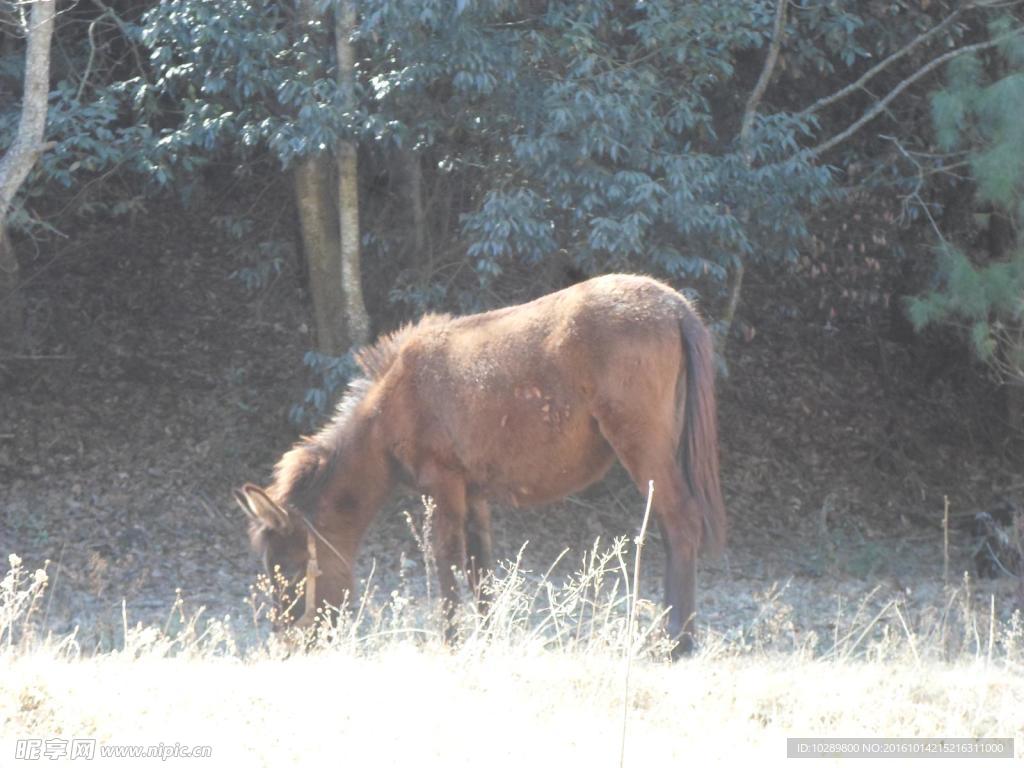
{"x":313,"y":571}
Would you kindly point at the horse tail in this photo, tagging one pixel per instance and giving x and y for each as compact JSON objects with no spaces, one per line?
{"x":699,"y":444}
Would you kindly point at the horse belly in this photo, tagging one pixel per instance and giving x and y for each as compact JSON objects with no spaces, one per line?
{"x":535,"y":459}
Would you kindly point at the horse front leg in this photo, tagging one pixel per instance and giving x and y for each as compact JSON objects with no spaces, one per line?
{"x":479,"y":551}
{"x":448,"y":540}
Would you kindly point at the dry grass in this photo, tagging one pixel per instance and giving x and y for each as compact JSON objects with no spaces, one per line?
{"x":541,"y":681}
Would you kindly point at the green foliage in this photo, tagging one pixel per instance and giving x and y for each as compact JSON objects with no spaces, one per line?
{"x":986,"y":119}
{"x":243,"y":76}
{"x":599,"y":130}
{"x":591,"y":128}
{"x":983,"y":118}
{"x":981,"y":299}
{"x":330,"y":375}
{"x":582,"y":128}
{"x":97,"y":129}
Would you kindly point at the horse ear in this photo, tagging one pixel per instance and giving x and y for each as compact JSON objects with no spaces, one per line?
{"x":243,"y":501}
{"x":260,"y":508}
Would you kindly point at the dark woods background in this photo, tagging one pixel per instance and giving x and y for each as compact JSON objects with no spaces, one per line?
{"x":841,"y":184}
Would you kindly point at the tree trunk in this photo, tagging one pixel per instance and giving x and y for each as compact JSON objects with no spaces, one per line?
{"x":1014,"y":406}
{"x":21,"y":156}
{"x":12,"y":308}
{"x":318,"y":220}
{"x":329,"y":216}
{"x":412,"y":190}
{"x":357,"y":322}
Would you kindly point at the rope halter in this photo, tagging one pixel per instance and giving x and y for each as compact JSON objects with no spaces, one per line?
{"x":313,"y":571}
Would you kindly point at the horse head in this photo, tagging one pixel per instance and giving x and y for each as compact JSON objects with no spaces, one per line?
{"x":280,"y":538}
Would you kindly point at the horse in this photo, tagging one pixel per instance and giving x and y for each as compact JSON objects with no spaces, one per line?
{"x":522,"y":405}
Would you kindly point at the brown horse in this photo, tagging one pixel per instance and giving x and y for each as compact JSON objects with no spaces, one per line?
{"x":521,"y":405}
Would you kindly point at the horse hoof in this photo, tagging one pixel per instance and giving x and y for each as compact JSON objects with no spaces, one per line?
{"x":684,"y":647}
{"x":452,"y":637}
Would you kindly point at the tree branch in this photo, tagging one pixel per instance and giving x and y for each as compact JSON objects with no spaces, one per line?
{"x":859,"y":82}
{"x":778,"y":32}
{"x":126,"y":33}
{"x":92,"y":55}
{"x":880,"y":106}
{"x":749,"y":113}
{"x":28,"y":143}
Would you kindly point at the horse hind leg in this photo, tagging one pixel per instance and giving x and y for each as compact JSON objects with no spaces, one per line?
{"x":674,"y":506}
{"x":680,"y":587}
{"x":653,"y":456}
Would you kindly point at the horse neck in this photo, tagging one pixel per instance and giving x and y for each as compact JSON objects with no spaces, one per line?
{"x":357,"y":470}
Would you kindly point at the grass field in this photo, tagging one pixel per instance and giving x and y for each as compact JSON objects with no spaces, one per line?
{"x":568,"y":673}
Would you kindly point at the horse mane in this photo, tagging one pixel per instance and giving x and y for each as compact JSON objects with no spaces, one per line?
{"x":375,"y":359}
{"x":298,"y":476}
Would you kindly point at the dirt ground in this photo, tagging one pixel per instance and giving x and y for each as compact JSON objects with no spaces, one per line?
{"x":156,"y":383}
